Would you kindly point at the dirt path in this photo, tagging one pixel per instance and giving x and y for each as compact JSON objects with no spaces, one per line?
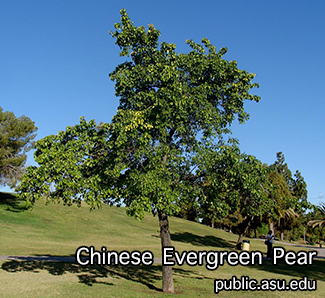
{"x":321,"y":251}
{"x":51,"y":259}
{"x":71,"y":259}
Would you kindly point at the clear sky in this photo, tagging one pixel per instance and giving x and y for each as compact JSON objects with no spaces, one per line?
{"x":55,"y":57}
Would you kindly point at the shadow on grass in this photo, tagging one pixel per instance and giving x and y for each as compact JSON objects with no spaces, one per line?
{"x":90,"y":275}
{"x":11,"y":203}
{"x":202,"y":240}
{"x":315,"y":271}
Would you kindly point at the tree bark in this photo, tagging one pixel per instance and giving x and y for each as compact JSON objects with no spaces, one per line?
{"x":243,"y":228}
{"x":271,"y":226}
{"x":167,"y":273}
{"x":239,"y":241}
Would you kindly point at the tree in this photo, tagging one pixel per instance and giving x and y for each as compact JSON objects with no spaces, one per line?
{"x":282,"y":200}
{"x":282,"y":168}
{"x":16,"y":135}
{"x":289,"y":195}
{"x":299,"y":189}
{"x":171,"y":105}
{"x":188,"y":211}
{"x":320,"y":221}
{"x":234,"y":182}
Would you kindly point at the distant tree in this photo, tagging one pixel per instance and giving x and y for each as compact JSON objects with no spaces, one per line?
{"x":292,"y":226}
{"x":234,"y":182}
{"x":299,"y":190}
{"x":230,"y":221}
{"x":16,"y":135}
{"x":188,"y":211}
{"x":282,"y":168}
{"x":171,"y":106}
{"x":289,"y":195}
{"x":319,"y":218}
{"x":282,"y":200}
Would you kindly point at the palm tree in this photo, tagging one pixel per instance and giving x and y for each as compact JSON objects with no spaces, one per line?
{"x":319,"y":222}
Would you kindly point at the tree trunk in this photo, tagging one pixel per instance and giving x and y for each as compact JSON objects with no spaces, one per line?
{"x":244,"y":226}
{"x":271,"y":226}
{"x":239,"y":241}
{"x":167,"y":274}
{"x":281,"y":235}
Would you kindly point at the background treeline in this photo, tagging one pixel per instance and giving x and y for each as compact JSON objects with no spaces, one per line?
{"x":237,"y":193}
{"x":164,"y":150}
{"x":287,"y":212}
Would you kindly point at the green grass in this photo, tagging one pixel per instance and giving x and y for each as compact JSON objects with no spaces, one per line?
{"x":58,"y":230}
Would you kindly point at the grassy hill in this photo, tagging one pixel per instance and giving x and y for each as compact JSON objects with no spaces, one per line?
{"x":59,"y":230}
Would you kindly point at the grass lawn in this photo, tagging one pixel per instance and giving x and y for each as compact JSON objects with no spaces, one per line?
{"x":59,"y":230}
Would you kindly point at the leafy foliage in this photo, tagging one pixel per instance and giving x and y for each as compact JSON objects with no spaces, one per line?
{"x":144,"y":158}
{"x":320,"y":221}
{"x":233,"y":181}
{"x":172,"y":107}
{"x":16,"y":135}
{"x":289,"y":195}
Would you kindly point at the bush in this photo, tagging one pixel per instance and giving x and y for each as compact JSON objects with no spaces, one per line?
{"x":263,"y":229}
{"x":295,"y":234}
{"x":311,"y":239}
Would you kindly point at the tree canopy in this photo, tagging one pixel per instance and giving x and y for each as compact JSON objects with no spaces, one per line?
{"x":320,"y":221}
{"x":16,"y":135}
{"x":233,"y":182}
{"x":289,"y":197}
{"x":292,"y":191}
{"x":173,"y":106}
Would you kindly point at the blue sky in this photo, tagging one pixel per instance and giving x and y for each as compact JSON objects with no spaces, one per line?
{"x":55,"y":57}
